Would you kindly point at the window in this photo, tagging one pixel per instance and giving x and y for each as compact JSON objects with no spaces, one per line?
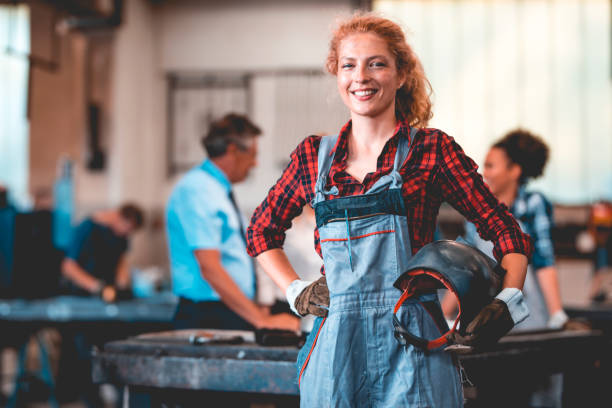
{"x":543,"y":65}
{"x":14,"y":50}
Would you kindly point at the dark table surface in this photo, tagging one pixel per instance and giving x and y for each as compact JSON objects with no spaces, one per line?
{"x":171,"y":361}
{"x":601,"y":311}
{"x":87,"y":321}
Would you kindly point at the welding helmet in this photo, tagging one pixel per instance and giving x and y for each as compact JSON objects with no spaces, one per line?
{"x":470,"y":275}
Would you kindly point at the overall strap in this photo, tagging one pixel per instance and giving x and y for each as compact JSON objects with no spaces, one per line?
{"x":403,"y":149}
{"x":324,"y":163}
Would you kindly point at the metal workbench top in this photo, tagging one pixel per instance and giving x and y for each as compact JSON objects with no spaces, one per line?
{"x":87,"y":309}
{"x":157,"y":360}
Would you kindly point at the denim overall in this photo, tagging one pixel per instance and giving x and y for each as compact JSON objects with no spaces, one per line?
{"x":351,"y":358}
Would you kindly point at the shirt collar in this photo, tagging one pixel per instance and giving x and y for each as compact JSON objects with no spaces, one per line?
{"x":519,"y":206}
{"x":211,"y":168}
{"x":340,"y":151}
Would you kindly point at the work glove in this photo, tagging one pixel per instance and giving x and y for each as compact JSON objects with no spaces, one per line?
{"x":308,"y":297}
{"x":560,"y":320}
{"x":124,"y":294}
{"x":494,"y":320}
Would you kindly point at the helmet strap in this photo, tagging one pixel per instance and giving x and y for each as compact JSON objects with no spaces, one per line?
{"x":411,"y":291}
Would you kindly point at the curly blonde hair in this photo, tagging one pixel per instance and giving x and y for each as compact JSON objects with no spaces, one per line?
{"x":412,"y":100}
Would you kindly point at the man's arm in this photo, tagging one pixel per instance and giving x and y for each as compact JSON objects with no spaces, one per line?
{"x":72,"y":271}
{"x":122,"y":276}
{"x":213,"y":272}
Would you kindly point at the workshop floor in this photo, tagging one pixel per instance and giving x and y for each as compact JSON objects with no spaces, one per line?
{"x":574,"y":276}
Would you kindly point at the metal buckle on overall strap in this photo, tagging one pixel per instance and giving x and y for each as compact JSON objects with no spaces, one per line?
{"x":404,"y":337}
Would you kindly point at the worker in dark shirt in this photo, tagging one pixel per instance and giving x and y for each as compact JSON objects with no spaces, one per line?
{"x":95,"y":262}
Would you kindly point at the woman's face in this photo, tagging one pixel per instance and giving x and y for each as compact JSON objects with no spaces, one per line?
{"x":499,"y":172}
{"x":367,"y":76}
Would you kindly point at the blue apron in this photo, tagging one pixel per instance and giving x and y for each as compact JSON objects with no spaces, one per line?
{"x":351,"y":358}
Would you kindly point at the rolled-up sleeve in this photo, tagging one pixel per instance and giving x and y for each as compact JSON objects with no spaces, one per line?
{"x":283,"y":203}
{"x":463,"y":187}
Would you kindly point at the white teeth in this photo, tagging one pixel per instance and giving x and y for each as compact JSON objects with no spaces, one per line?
{"x":364,"y":93}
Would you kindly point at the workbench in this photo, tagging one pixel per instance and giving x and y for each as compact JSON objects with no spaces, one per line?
{"x":78,"y":309}
{"x":166,"y":367}
{"x":598,"y":315}
{"x":21,"y":320}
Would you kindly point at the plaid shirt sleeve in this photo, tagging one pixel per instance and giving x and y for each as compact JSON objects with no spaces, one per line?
{"x":284,"y":202}
{"x":463,"y":187}
{"x":541,"y":212}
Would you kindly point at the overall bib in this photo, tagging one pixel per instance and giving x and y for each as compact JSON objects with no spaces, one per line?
{"x":351,"y":358}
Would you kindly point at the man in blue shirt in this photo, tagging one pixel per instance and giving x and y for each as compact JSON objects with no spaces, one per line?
{"x":212,"y":274}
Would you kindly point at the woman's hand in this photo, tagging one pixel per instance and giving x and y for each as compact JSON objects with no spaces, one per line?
{"x":494,"y":320}
{"x":312,"y":299}
{"x":491,"y":324}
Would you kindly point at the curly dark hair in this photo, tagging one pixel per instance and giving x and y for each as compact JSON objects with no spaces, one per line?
{"x":527,"y":150}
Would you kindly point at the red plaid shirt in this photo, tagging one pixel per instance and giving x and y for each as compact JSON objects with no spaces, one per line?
{"x":435,"y":170}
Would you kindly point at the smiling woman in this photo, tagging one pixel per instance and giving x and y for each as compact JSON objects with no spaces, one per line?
{"x":412,"y":92}
{"x":376,"y":189}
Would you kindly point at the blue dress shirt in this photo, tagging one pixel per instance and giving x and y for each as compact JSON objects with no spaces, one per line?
{"x":200,"y":215}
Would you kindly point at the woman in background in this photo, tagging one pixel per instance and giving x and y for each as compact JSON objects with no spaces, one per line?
{"x":510,"y":163}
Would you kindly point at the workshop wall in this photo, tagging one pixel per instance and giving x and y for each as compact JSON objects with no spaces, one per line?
{"x":541,"y":64}
{"x":56,"y":106}
{"x":179,"y":37}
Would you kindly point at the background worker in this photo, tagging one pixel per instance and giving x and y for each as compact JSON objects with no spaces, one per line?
{"x":96,"y":261}
{"x":212,"y":274}
{"x":95,"y":264}
{"x":510,"y":163}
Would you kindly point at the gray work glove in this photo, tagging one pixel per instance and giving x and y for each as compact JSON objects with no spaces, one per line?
{"x":308,"y":297}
